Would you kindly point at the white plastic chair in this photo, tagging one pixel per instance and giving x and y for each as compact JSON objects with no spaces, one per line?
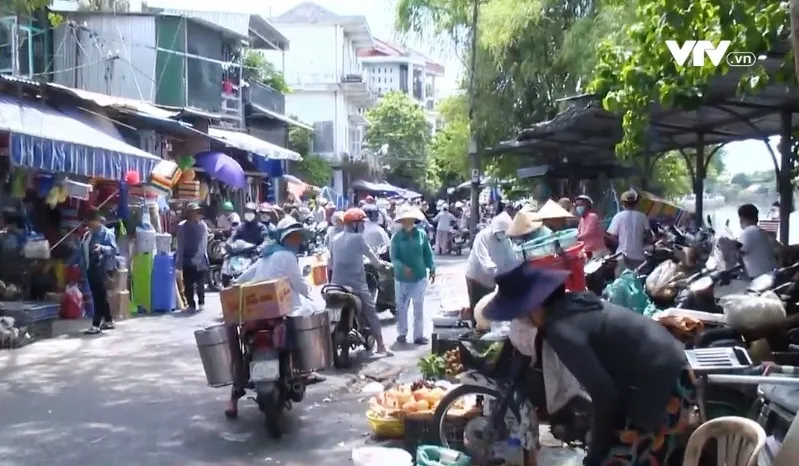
{"x":788,"y":455}
{"x":739,"y":441}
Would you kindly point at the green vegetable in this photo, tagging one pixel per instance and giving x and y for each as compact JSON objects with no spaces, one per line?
{"x":433,"y":366}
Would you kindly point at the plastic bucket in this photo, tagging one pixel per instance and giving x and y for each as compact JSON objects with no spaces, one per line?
{"x":573,"y":260}
{"x":381,"y":456}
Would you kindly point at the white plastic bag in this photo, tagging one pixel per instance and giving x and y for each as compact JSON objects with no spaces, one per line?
{"x":746,"y":311}
{"x":522,"y":336}
{"x":661,"y":277}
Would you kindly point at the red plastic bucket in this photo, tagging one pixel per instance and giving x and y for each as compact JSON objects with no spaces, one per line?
{"x":573,"y":260}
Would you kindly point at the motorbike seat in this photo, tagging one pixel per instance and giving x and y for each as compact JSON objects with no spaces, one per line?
{"x":786,"y":396}
{"x":341,"y":296}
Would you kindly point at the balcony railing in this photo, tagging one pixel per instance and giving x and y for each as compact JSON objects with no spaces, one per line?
{"x":265,"y":97}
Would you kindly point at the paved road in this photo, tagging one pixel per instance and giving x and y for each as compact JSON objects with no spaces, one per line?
{"x":137,"y":396}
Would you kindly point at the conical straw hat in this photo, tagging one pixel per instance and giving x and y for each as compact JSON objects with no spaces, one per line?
{"x":409,"y":213}
{"x":524,"y":223}
{"x":552,"y":210}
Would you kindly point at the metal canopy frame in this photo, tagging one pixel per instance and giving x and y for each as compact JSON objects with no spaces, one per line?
{"x":587,"y":134}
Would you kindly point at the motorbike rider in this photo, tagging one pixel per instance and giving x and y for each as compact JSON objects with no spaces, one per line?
{"x":347,"y":251}
{"x":641,"y":386}
{"x":278,"y":260}
{"x":443,"y":221}
{"x":268,"y":217}
{"x":228,"y":219}
{"x":251,"y":230}
{"x":492,"y":253}
{"x":374,"y":234}
{"x":589,"y":229}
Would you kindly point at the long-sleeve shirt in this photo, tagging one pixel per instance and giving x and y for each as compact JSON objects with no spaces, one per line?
{"x":100,"y":249}
{"x":591,"y":233}
{"x":411,"y":255}
{"x":444,"y":221}
{"x":489,"y":257}
{"x":375,"y":236}
{"x":192,"y":245}
{"x":279,"y":262}
{"x":347,"y":251}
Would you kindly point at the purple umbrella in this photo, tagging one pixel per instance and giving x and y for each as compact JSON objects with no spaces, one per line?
{"x":222,"y":167}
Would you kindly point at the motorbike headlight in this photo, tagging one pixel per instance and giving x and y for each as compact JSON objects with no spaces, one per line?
{"x":701,"y":285}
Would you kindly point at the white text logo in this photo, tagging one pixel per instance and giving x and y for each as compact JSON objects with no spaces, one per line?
{"x":697,"y":49}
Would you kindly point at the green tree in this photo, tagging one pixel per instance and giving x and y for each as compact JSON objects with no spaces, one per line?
{"x":398,"y":129}
{"x":632,"y":77}
{"x":449,"y":149}
{"x":258,"y":68}
{"x":312,"y":169}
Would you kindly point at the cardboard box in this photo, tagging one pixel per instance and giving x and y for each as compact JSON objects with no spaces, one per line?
{"x":255,"y":301}
{"x":120,"y":304}
{"x":118,"y":281}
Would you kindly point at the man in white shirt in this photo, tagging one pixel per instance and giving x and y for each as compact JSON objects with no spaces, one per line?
{"x":492,"y":253}
{"x":374,"y":235}
{"x":443,"y":222}
{"x":757,"y":249}
{"x":630,"y":228}
{"x":319,"y":212}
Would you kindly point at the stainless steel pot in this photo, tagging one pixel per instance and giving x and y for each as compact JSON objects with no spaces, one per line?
{"x":212,"y":343}
{"x":311,"y":342}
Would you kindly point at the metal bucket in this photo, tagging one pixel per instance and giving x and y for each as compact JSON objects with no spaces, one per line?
{"x":212,"y":343}
{"x":311,"y":342}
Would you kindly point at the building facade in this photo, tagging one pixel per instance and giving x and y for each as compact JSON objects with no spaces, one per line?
{"x":395,"y":68}
{"x":330,"y":86}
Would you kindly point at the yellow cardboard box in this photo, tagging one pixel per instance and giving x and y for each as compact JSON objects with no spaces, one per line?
{"x":255,"y":301}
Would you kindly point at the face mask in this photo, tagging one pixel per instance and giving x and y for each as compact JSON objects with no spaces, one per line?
{"x":580,"y":209}
{"x":265,"y":218}
{"x":249,"y":217}
{"x":293,"y":248}
{"x":500,"y":235}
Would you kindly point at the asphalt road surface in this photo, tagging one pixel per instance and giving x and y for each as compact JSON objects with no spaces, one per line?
{"x":137,"y":396}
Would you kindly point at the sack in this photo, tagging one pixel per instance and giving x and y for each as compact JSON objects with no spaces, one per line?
{"x":746,"y":312}
{"x":659,"y":281}
{"x":36,"y":248}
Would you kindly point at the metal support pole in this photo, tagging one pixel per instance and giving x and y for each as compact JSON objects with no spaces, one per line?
{"x":699,"y":179}
{"x":784,"y":177}
{"x":474,"y":153}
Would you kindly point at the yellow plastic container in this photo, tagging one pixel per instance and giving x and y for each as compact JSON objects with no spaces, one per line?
{"x":385,"y":427}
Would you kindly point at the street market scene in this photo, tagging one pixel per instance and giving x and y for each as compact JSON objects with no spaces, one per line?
{"x":408,"y":233}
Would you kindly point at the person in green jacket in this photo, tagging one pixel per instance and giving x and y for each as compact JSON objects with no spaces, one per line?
{"x":412,"y":258}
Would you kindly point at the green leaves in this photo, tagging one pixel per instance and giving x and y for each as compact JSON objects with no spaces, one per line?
{"x":312,"y":169}
{"x":398,"y":128}
{"x":258,"y":68}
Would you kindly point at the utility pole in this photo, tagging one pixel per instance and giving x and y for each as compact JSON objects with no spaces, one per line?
{"x":474,"y":155}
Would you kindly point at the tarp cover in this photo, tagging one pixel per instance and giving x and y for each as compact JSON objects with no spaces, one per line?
{"x":44,"y":138}
{"x":252,"y":144}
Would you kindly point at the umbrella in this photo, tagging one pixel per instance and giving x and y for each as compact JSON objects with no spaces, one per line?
{"x":221,"y":167}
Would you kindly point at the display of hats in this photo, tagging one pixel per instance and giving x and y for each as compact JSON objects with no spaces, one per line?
{"x":551,"y":210}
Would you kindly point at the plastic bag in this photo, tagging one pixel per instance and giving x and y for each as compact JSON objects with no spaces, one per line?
{"x":746,"y":311}
{"x":522,"y":336}
{"x":627,"y":291}
{"x":661,"y":278}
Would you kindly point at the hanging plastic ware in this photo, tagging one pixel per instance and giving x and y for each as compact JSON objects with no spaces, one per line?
{"x":132,"y":177}
{"x":188,"y":175}
{"x":185,"y":162}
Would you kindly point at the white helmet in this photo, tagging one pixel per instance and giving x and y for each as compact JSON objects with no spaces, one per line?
{"x":287,"y":226}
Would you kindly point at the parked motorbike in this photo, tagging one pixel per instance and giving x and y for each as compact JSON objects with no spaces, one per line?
{"x":698,"y":295}
{"x":511,"y":383}
{"x":240,"y":255}
{"x":459,"y":238}
{"x":348,"y":323}
{"x":216,"y":257}
{"x":381,"y":281}
{"x":776,"y":408}
{"x":599,"y":271}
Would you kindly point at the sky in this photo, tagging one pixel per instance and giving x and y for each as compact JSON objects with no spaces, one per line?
{"x":741,"y":157}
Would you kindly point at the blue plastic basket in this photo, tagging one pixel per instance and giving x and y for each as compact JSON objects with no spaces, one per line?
{"x":546,"y":246}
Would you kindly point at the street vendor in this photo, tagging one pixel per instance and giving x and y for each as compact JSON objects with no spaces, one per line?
{"x":492,"y":253}
{"x":555,"y":216}
{"x":99,"y":248}
{"x":640,"y":384}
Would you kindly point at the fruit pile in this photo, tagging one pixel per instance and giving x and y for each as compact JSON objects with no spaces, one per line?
{"x":418,"y":397}
{"x":453,"y":364}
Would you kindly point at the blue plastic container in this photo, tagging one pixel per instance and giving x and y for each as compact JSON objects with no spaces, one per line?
{"x":163,"y":295}
{"x":546,"y":246}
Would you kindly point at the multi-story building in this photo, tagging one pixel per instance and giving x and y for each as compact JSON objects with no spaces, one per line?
{"x":330,"y":86}
{"x":395,"y":68}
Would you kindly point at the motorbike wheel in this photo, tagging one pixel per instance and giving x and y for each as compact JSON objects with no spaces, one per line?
{"x":440,"y":415}
{"x":271,"y":404}
{"x":341,"y":349}
{"x":726,"y":401}
{"x":215,"y":280}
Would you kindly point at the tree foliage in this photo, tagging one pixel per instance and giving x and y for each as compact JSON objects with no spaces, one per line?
{"x":258,"y":68}
{"x":312,"y":169}
{"x":400,"y":134}
{"x":642,"y":71}
{"x":450,"y":145}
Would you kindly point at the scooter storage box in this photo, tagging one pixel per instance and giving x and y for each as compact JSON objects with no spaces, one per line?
{"x":268,"y":299}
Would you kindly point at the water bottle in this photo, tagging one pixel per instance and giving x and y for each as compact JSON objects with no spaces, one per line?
{"x":514,"y":454}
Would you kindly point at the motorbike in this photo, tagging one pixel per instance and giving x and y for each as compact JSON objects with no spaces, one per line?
{"x":381,"y":281}
{"x":348,"y":324}
{"x":599,"y":271}
{"x":216,"y":257}
{"x":240,"y":255}
{"x":512,"y":384}
{"x":460,"y":238}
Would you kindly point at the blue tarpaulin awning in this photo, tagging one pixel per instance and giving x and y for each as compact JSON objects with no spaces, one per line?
{"x":44,"y":138}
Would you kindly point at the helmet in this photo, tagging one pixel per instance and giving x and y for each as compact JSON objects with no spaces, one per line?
{"x":444,"y":207}
{"x":288,"y":226}
{"x":264,"y":207}
{"x":583,"y":197}
{"x":337,"y":218}
{"x":227,"y":206}
{"x":372,"y":212}
{"x":354,"y":215}
{"x":251,"y":206}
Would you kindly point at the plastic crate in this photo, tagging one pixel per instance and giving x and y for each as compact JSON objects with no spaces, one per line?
{"x":548,"y":245}
{"x":36,"y":317}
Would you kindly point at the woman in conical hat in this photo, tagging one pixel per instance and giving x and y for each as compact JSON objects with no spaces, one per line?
{"x":554,"y":215}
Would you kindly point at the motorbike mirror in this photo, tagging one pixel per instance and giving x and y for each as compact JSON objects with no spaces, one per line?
{"x":762,"y":283}
{"x":727,"y":223}
{"x":701,"y":284}
{"x":592,"y":266}
{"x":306,"y":271}
{"x":709,"y":221}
